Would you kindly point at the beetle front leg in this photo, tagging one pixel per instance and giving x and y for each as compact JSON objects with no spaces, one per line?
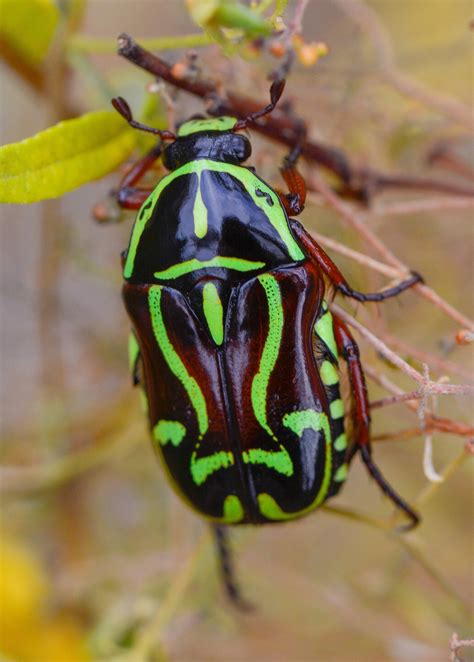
{"x":327,"y":266}
{"x":349,"y":350}
{"x":130,"y":196}
{"x":294,"y":200}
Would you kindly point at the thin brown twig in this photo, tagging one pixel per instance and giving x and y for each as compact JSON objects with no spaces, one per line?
{"x":425,"y":357}
{"x":379,"y":345}
{"x":296,"y":24}
{"x":455,"y":644}
{"x":351,"y":217}
{"x":376,"y":265}
{"x":430,"y":205}
{"x":432,"y":422}
{"x":361,"y":258}
{"x":286,"y":129}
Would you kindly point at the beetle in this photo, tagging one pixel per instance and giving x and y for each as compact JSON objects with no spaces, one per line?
{"x":233,"y":338}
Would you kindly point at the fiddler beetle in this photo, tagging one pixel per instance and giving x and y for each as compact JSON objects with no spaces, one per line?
{"x":233,"y":341}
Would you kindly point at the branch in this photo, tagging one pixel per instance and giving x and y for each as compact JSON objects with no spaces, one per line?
{"x":286,"y":129}
{"x":350,"y":216}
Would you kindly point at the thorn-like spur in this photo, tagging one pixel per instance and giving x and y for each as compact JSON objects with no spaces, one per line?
{"x":122,"y":107}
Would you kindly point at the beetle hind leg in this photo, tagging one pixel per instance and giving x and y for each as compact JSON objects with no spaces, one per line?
{"x":227,"y":568}
{"x":361,"y":419}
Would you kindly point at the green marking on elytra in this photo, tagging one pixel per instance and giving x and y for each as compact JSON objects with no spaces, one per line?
{"x":329,"y":374}
{"x":233,"y":509}
{"x":280,"y":460}
{"x":133,"y":351}
{"x":307,"y":419}
{"x":169,"y":431}
{"x":182,"y":268}
{"x":325,"y":330}
{"x":310,"y":419}
{"x":340,"y":443}
{"x":341,"y":473}
{"x":222,"y":123}
{"x":275,"y":213}
{"x":199,"y":212}
{"x":270,"y":350}
{"x":203,"y":467}
{"x":213,"y":312}
{"x":337,"y":408}
{"x":173,"y":359}
{"x":271,"y":510}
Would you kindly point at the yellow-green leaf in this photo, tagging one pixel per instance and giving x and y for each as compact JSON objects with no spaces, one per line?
{"x":228,"y":14}
{"x":64,"y":156}
{"x":28,"y":26}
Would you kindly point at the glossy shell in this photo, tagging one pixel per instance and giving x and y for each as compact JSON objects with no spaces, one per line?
{"x":237,"y":347}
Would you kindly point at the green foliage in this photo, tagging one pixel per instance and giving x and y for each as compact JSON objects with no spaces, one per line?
{"x":63,"y":157}
{"x":28,"y":27}
{"x":213,"y":14}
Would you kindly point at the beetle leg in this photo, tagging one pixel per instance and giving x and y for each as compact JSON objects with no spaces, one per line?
{"x":129,"y":196}
{"x":349,"y":350}
{"x":227,"y":568}
{"x":318,"y":255}
{"x":294,"y":200}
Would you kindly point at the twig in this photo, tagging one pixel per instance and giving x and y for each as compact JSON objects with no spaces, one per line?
{"x":286,"y":129}
{"x":455,"y":644}
{"x":432,"y":487}
{"x":361,"y":258}
{"x":425,"y":357}
{"x":346,"y":212}
{"x":378,"y":344}
{"x":407,"y":207}
{"x":432,"y":422}
{"x":441,"y":155}
{"x":296,"y":23}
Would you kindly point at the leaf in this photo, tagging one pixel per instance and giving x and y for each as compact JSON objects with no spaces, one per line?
{"x":28,"y":26}
{"x":227,"y":14}
{"x":63,"y":157}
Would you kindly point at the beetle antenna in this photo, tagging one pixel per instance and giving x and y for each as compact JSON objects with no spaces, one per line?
{"x":122,"y":107}
{"x":276,"y":90}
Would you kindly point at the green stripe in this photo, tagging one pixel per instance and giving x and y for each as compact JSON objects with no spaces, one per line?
{"x":270,"y":350}
{"x":233,"y":509}
{"x":298,"y":422}
{"x":271,"y":510}
{"x":325,"y":330}
{"x":341,"y":442}
{"x":280,"y":460}
{"x":213,"y":312}
{"x":223,"y":123}
{"x":237,"y":263}
{"x":173,"y":360}
{"x":309,"y":419}
{"x":199,"y":213}
{"x":337,"y":408}
{"x":275,"y":213}
{"x":169,"y":431}
{"x":329,"y":374}
{"x":203,"y":467}
{"x":341,"y":473}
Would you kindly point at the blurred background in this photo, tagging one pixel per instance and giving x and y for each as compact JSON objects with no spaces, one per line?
{"x":99,"y":558}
